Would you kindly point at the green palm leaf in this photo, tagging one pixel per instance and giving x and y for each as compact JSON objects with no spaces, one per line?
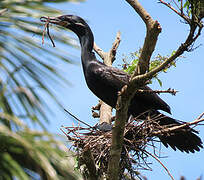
{"x":29,"y":151}
{"x":27,"y":68}
{"x":24,"y":63}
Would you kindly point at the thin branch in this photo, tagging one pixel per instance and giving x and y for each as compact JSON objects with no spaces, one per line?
{"x":48,"y":33}
{"x":182,"y":48}
{"x":179,"y":13}
{"x":113,"y":50}
{"x":46,"y":26}
{"x":200,"y":116}
{"x":160,"y":163}
{"x":187,"y":124}
{"x":171,"y":91}
{"x":99,"y":51}
{"x":77,"y":118}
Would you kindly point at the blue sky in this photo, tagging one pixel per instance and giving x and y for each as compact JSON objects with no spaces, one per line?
{"x":105,"y":19}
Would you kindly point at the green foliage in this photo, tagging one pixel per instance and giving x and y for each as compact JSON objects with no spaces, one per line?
{"x":27,"y":154}
{"x":28,"y":69}
{"x":194,"y":7}
{"x":134,"y":58}
{"x":24,"y":63}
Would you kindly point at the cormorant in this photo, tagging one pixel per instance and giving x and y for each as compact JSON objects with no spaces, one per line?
{"x":105,"y":82}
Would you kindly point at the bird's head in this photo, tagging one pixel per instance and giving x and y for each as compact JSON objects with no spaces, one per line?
{"x":75,"y":24}
{"x":72,"y":22}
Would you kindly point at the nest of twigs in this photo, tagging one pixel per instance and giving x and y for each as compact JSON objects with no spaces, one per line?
{"x":138,"y":135}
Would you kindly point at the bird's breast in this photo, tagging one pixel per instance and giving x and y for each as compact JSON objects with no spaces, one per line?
{"x":101,"y":88}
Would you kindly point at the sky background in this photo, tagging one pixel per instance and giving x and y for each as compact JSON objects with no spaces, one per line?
{"x":105,"y":19}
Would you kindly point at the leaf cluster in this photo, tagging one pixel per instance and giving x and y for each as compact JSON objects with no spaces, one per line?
{"x":28,"y":154}
{"x":193,"y":8}
{"x":134,"y":59}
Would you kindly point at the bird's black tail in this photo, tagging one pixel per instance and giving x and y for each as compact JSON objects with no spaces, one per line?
{"x":184,"y":139}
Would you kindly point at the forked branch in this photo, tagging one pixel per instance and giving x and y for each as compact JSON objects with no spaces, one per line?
{"x":141,"y":75}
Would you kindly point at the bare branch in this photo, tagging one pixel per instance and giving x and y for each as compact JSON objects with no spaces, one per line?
{"x":77,"y":118}
{"x":141,"y":11}
{"x":113,"y":50}
{"x":128,"y":91}
{"x":187,"y":124}
{"x":155,"y":157}
{"x":153,"y":29}
{"x":108,"y":57}
{"x":182,"y":48}
{"x":179,"y":13}
{"x":171,"y":91}
{"x":99,"y":51}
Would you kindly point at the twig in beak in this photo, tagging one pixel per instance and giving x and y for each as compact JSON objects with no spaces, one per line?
{"x":46,"y":26}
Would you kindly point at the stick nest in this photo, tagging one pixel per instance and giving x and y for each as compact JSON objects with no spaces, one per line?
{"x":137,"y":136}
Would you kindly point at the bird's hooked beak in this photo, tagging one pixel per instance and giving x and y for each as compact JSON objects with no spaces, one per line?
{"x":55,"y":20}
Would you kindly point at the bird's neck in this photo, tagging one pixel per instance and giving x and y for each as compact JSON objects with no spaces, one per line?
{"x":86,"y":41}
{"x":86,"y":38}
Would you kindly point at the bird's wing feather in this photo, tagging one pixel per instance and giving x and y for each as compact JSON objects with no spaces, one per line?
{"x":112,"y":75}
{"x":117,"y":78}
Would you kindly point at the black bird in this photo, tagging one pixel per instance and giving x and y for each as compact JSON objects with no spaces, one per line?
{"x":105,"y":82}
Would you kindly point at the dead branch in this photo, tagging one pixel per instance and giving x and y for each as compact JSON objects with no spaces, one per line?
{"x":113,"y":50}
{"x":183,"y":126}
{"x":108,"y":57}
{"x":170,"y":91}
{"x":77,"y":118}
{"x":99,"y":51}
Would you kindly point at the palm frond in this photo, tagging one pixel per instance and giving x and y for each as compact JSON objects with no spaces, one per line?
{"x":25,"y":63}
{"x":35,"y":151}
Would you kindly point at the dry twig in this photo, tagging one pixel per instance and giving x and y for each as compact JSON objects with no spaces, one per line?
{"x":155,"y":157}
{"x":46,"y":26}
{"x":171,"y":91}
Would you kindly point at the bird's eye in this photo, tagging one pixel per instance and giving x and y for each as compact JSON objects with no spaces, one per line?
{"x":63,"y":18}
